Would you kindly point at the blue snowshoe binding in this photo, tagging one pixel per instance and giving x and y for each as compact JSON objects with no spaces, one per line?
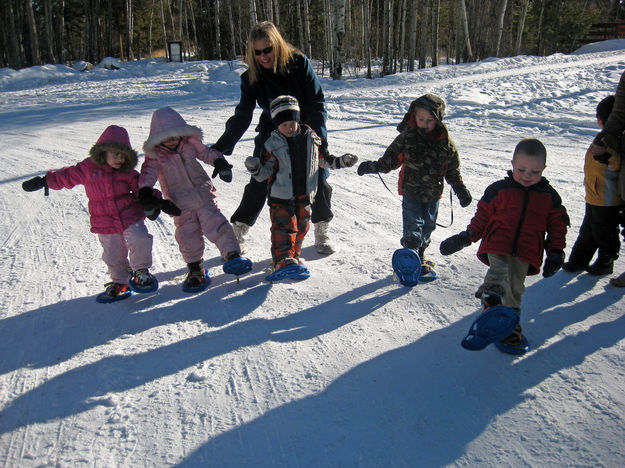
{"x":141,"y":281}
{"x":407,"y":268}
{"x":237,"y":266}
{"x":114,"y":292}
{"x":196,"y":281}
{"x":517,"y":349}
{"x":294,"y":271}
{"x":492,"y":326}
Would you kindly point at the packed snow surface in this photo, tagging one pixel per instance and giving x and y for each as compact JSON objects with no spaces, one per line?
{"x":347,"y":368}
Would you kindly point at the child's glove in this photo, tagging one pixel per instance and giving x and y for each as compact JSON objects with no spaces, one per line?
{"x":463,"y":195}
{"x":36,"y":183}
{"x":455,"y":243}
{"x":252,"y":164}
{"x":553,"y":262}
{"x":368,"y":167}
{"x":169,"y":208}
{"x":223,"y":169}
{"x":149,"y":203}
{"x":347,"y":160}
{"x":602,"y":158}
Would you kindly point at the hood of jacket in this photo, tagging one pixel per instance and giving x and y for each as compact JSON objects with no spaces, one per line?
{"x":114,"y":139}
{"x":167,"y":123}
{"x":431,"y":103}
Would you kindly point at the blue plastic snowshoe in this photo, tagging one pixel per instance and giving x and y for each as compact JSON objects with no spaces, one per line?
{"x":493,"y":325}
{"x":237,"y":266}
{"x":114,"y":292}
{"x":515,"y":349}
{"x":407,"y":268}
{"x":292,"y":271}
{"x":135,"y":287}
{"x":196,"y":281}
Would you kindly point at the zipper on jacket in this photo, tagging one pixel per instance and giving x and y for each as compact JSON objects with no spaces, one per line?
{"x":521,"y":219}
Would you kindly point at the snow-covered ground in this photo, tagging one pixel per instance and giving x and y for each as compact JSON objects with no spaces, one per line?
{"x":347,"y":368}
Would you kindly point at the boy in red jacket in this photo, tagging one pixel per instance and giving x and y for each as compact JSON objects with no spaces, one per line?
{"x":512,"y":219}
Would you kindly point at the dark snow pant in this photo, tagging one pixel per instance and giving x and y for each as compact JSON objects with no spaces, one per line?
{"x":599,"y":231}
{"x":290,"y":220}
{"x":255,"y":195}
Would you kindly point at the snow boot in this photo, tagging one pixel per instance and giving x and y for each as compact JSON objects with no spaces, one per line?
{"x":619,"y":281}
{"x":143,"y":278}
{"x":322,"y":241}
{"x":240,"y":231}
{"x":602,"y":266}
{"x":115,"y":289}
{"x":491,"y":296}
{"x":197,"y":279}
{"x":426,"y":265}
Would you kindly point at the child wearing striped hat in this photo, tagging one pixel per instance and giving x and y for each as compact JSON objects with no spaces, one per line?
{"x":290,"y":166}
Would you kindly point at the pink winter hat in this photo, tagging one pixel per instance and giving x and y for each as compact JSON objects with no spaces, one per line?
{"x":167,"y":123}
{"x":115,"y":139}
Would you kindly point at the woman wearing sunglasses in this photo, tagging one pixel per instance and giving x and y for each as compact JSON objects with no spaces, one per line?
{"x":276,"y":68}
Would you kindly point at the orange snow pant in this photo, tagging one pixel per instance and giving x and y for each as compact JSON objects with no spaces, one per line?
{"x":290,"y":220}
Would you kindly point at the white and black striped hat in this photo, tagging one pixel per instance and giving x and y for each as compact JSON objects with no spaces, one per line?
{"x":283,"y":109}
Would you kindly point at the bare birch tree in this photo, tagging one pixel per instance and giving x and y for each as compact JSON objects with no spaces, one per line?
{"x":465,"y":25}
{"x":253,"y":15}
{"x":217,"y":32}
{"x":521,"y":27}
{"x":414,"y":14}
{"x":436,"y":11}
{"x":500,"y":23}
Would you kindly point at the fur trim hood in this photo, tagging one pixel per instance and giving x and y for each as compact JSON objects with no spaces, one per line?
{"x":167,"y":123}
{"x":115,"y":139}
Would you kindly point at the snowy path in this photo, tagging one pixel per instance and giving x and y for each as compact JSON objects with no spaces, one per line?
{"x":344,"y":369}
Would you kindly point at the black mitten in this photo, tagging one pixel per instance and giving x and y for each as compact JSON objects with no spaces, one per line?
{"x":455,"y":243}
{"x":368,"y":167}
{"x":464,"y":197}
{"x":602,"y":158}
{"x":36,"y":183}
{"x":169,"y":207}
{"x":223,"y":169}
{"x":149,"y":203}
{"x":553,"y":262}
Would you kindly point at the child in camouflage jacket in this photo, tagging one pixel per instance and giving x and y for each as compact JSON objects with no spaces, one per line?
{"x":427,"y":156}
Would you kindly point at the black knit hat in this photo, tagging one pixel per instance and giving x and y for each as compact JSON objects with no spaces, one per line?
{"x":283,"y":109}
{"x":604,"y":108}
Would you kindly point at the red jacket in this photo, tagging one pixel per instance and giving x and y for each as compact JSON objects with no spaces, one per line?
{"x":513,"y":220}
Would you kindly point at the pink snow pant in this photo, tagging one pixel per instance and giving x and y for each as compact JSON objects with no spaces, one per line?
{"x":193,"y":225}
{"x":135,"y":243}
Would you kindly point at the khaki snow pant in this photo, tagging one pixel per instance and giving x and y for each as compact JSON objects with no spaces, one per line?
{"x":508,"y":273}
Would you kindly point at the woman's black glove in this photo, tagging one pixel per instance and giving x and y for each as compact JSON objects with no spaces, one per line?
{"x":36,"y":183}
{"x":223,"y":169}
{"x":153,"y":205}
{"x":455,"y":243}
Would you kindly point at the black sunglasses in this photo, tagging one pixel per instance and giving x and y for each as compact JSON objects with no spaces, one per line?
{"x":266,"y":50}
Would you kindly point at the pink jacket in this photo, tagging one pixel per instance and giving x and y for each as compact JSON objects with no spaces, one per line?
{"x":111,"y":193}
{"x":182,"y":178}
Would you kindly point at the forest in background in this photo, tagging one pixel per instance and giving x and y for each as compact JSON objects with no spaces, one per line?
{"x":399,"y":34}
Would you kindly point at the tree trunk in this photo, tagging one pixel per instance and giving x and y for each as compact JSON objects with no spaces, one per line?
{"x":450,"y":32}
{"x":307,"y":39}
{"x":521,"y":27}
{"x":425,"y":14}
{"x":233,"y":50}
{"x":35,"y":58}
{"x":366,"y":35}
{"x":129,"y":29}
{"x":436,"y":7}
{"x":15,"y":56}
{"x":402,"y":35}
{"x":276,"y":13}
{"x":300,"y":26}
{"x":465,"y":25}
{"x":413,"y":34}
{"x":500,"y":21}
{"x":540,"y":45}
{"x":164,"y":31}
{"x":385,"y":38}
{"x":217,"y":33}
{"x":253,"y":16}
{"x":49,"y":31}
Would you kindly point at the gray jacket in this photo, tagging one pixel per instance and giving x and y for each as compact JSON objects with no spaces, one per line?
{"x":277,"y":165}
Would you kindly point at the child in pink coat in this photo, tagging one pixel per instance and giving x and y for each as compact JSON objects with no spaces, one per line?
{"x":111,"y":185}
{"x":173,"y":153}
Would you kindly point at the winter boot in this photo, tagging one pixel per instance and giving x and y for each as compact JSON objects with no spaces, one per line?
{"x":322,"y":241}
{"x":491,"y":295}
{"x":619,"y":281}
{"x":573,"y":267}
{"x":115,"y":289}
{"x":196,"y":275}
{"x":426,"y":265}
{"x":240,"y":231}
{"x":602,"y":266}
{"x":142,"y":278}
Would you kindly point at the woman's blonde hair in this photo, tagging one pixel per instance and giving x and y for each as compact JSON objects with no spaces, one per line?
{"x":266,"y":30}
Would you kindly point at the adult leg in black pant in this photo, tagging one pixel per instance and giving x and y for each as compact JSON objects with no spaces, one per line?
{"x":322,"y":214}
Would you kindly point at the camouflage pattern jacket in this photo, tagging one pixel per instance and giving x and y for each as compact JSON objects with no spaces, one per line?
{"x":425,"y":160}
